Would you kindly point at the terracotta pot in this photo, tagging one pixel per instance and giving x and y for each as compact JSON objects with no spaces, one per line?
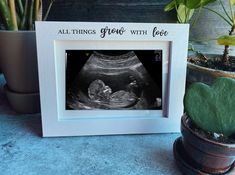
{"x":208,"y":155}
{"x":196,"y":73}
{"x":18,"y":60}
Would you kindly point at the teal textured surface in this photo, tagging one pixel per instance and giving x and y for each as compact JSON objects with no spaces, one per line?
{"x":24,"y":151}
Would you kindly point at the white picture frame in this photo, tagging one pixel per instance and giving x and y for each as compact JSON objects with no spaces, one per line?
{"x":54,"y":38}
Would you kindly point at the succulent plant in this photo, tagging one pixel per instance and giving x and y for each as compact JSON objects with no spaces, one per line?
{"x":212,"y":108}
{"x":21,"y":14}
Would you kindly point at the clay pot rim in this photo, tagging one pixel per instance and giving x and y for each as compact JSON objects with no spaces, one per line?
{"x":206,"y":69}
{"x":184,"y":120}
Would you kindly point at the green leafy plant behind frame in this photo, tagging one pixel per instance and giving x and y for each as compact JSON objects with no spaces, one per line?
{"x":22,"y":14}
{"x":228,"y":16}
{"x":185,"y":8}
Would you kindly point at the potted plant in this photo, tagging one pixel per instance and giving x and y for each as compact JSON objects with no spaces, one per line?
{"x":18,"y":57}
{"x":207,"y":145}
{"x":201,"y":67}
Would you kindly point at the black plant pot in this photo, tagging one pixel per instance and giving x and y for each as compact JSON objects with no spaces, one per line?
{"x":196,"y":154}
{"x":18,"y":60}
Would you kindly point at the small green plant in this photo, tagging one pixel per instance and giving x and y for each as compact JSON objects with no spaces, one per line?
{"x":211,"y":108}
{"x":185,"y":9}
{"x":229,"y":39}
{"x":21,"y":14}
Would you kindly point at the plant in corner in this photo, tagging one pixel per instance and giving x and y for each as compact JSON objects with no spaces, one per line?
{"x":18,"y":56}
{"x":205,"y":68}
{"x":207,"y":145}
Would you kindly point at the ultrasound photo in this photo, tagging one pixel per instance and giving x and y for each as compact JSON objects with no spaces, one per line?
{"x":113,"y":79}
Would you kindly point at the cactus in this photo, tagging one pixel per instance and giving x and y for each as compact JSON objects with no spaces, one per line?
{"x":21,"y":15}
{"x":212,"y":108}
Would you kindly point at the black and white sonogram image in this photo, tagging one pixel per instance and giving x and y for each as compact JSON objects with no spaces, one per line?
{"x":113,"y":79}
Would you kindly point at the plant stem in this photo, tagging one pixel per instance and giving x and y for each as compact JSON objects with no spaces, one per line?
{"x":220,"y":15}
{"x":13,"y":14}
{"x":31,"y":15}
{"x":225,"y":11}
{"x":21,"y":8}
{"x":196,"y":18}
{"x":226,"y":47}
{"x":6,"y":14}
{"x":36,"y":10}
{"x":231,"y":10}
{"x":48,"y":10}
{"x":186,"y":14}
{"x":23,"y":22}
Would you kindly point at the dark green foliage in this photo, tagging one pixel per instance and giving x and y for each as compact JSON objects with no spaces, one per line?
{"x":21,"y":14}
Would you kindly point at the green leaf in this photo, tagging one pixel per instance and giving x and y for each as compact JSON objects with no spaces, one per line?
{"x":232,"y":2}
{"x":170,"y":6}
{"x":194,"y":4}
{"x":184,"y":14}
{"x":206,"y":2}
{"x":211,"y":108}
{"x":6,"y":14}
{"x":226,"y":40}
